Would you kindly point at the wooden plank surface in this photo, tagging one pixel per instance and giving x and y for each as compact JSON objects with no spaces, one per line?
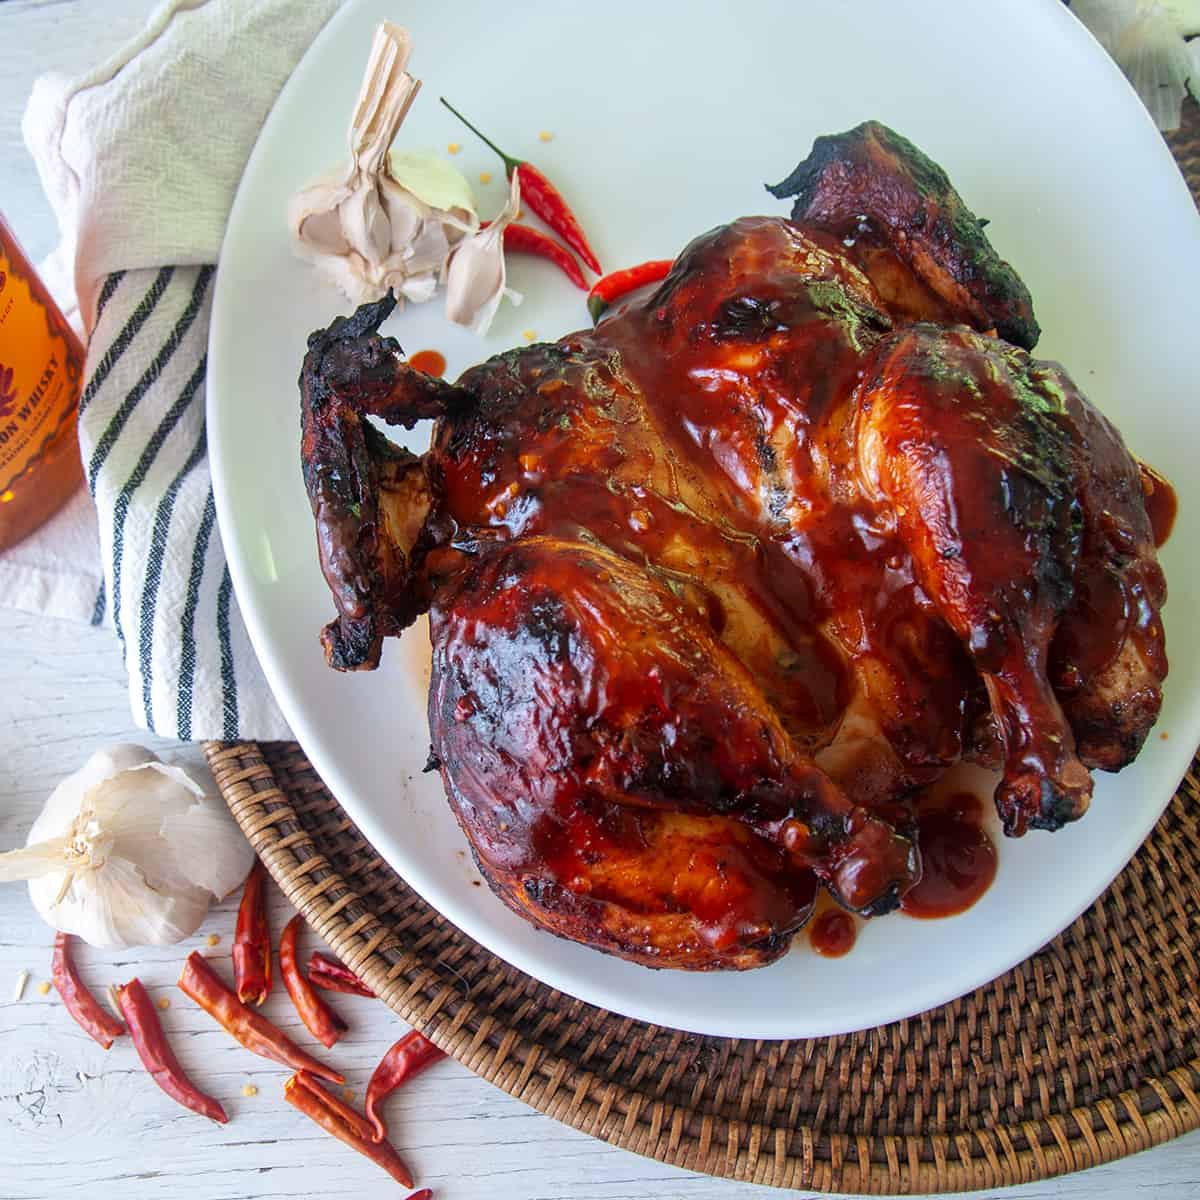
{"x":75,"y":1121}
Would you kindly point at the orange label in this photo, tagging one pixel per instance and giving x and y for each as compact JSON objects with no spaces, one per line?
{"x":39,"y":375}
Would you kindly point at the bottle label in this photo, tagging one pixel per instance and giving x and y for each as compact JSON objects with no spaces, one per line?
{"x":39,"y":376}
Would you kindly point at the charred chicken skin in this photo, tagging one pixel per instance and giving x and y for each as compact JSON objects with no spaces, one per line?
{"x":713,"y":588}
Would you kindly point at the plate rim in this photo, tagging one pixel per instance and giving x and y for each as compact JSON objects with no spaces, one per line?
{"x":359,"y":809}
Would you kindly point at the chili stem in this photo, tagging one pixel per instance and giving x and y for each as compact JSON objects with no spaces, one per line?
{"x":510,"y":163}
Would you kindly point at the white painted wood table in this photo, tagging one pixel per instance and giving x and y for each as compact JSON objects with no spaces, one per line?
{"x":75,"y":1121}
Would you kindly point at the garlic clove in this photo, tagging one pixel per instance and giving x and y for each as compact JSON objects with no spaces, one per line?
{"x":130,"y":808}
{"x":322,"y":229}
{"x":476,"y":278}
{"x":365,"y":224}
{"x":405,"y":215}
{"x":428,"y":250}
{"x":228,"y":856}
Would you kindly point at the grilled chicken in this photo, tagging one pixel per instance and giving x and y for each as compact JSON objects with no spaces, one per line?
{"x":715,"y":586}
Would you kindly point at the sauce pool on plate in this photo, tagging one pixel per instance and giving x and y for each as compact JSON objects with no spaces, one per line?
{"x":833,"y":933}
{"x":428,"y":362}
{"x":1161,"y":503}
{"x":957,"y":855}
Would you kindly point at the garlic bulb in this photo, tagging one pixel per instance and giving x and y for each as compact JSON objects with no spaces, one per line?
{"x":1146,"y":40}
{"x":129,"y":851}
{"x":476,"y":279}
{"x":360,"y":224}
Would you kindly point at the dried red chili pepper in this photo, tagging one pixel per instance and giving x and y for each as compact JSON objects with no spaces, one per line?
{"x":157,"y":1056}
{"x":541,"y":196}
{"x":619,"y":283}
{"x":408,"y":1057}
{"x":326,"y":972}
{"x":322,"y":1022}
{"x":252,"y":1029}
{"x":94,"y":1020}
{"x":353,"y":1119}
{"x":252,"y":940}
{"x":319,"y":1105}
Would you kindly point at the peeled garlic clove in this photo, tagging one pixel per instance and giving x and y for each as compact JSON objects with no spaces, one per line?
{"x":476,"y":277}
{"x":129,"y":851}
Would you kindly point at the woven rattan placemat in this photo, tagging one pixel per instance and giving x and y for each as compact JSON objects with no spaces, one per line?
{"x":1086,"y":1052}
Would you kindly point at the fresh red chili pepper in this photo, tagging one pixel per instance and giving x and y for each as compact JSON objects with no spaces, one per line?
{"x":94,"y":1020}
{"x":157,"y":1056}
{"x":523,"y":239}
{"x":252,"y":1029}
{"x":408,"y":1057}
{"x":252,"y":941}
{"x":326,"y":972}
{"x":619,"y":283}
{"x":541,"y":196}
{"x":322,"y":1022}
{"x":316,"y":1104}
{"x":423,"y":1194}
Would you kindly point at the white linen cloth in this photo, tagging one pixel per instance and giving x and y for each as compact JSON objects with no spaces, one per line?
{"x":140,"y":159}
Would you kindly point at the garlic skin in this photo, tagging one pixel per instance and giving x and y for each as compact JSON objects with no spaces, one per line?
{"x":383,"y":222}
{"x":1146,"y":40}
{"x":129,"y":851}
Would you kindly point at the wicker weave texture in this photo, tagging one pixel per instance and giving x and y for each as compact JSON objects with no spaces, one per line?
{"x":1084,"y":1053}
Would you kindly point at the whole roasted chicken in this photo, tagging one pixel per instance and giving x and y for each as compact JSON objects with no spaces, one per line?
{"x":715,"y":587}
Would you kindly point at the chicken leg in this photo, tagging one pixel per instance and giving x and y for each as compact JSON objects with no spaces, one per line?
{"x":958,"y":439}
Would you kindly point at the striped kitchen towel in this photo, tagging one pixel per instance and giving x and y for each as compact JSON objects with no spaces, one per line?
{"x":140,"y":160}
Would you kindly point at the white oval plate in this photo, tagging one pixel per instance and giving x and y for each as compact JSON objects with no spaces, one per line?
{"x":667,"y":119}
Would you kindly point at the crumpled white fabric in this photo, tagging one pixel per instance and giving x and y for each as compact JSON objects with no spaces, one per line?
{"x":140,"y":159}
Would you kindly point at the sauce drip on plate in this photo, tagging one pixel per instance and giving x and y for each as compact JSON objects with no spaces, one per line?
{"x":429,"y":362}
{"x":957,"y":856}
{"x":1161,"y":503}
{"x":833,"y":933}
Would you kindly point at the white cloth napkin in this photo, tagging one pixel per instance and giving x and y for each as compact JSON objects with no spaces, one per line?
{"x":140,"y":159}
